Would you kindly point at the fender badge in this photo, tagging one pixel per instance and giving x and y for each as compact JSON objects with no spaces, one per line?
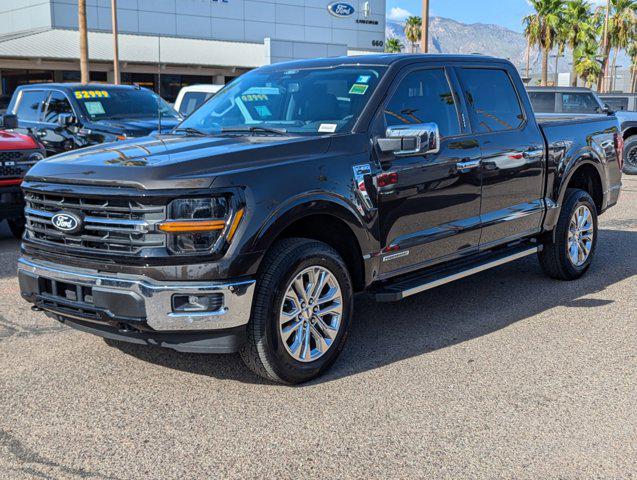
{"x":394,"y":256}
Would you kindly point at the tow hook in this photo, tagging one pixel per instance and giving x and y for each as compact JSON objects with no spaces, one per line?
{"x":35,"y":308}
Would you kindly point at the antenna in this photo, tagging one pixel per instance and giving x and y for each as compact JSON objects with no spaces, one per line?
{"x":159,"y":83}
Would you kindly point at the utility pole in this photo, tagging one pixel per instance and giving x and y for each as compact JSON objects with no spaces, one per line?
{"x":424,"y":38}
{"x":605,"y":51}
{"x":81,"y":21}
{"x":115,"y":42}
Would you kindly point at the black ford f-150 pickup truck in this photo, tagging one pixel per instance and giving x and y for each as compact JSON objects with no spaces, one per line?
{"x":252,"y":224}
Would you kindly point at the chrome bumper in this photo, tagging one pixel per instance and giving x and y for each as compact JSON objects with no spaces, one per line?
{"x":154,"y":299}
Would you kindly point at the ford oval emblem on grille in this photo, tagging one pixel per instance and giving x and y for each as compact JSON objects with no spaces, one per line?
{"x":340,"y":9}
{"x":67,"y":222}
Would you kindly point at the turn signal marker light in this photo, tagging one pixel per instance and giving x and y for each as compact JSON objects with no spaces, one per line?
{"x":192,"y":226}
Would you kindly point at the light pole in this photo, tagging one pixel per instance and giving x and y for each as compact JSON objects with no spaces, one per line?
{"x":557,"y":57}
{"x":116,"y":75}
{"x":81,"y":21}
{"x":424,"y":38}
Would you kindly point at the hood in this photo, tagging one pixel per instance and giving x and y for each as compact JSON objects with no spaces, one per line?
{"x":16,"y":141}
{"x":173,"y":161}
{"x":139,"y":127}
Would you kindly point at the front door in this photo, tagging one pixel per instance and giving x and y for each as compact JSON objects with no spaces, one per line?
{"x":56,"y":138}
{"x":429,"y":205}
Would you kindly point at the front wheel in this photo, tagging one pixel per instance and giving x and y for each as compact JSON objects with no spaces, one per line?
{"x":301,"y":312}
{"x":570,"y":253}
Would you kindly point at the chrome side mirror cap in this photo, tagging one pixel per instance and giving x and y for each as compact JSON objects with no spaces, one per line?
{"x":415,"y":139}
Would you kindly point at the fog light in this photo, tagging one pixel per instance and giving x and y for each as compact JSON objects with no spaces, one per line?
{"x":211,"y":302}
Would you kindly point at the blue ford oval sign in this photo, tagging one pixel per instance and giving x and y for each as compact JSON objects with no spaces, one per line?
{"x":67,"y":222}
{"x":340,"y":9}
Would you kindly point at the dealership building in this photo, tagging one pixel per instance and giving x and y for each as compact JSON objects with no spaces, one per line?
{"x":167,"y":44}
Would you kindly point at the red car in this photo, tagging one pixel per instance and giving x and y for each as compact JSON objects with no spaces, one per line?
{"x":18,"y":153}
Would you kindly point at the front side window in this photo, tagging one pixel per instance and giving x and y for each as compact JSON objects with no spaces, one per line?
{"x":56,"y":105}
{"x":122,"y":104}
{"x":307,"y":101}
{"x":493,"y":98}
{"x":30,"y":105}
{"x":424,"y":96}
{"x":542,"y":102}
{"x":191,"y":101}
{"x":579,"y":103}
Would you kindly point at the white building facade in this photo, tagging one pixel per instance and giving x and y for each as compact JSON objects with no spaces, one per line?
{"x":166,"y":44}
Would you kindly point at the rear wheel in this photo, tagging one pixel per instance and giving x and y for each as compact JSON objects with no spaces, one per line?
{"x":301,"y":312}
{"x":630,"y":155}
{"x":571,"y":252}
{"x":16,"y":226}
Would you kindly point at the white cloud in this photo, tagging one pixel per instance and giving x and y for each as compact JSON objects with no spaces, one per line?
{"x":398,"y":14}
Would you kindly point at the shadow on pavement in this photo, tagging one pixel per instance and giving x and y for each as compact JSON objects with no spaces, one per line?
{"x":386,"y":333}
{"x":9,"y":252}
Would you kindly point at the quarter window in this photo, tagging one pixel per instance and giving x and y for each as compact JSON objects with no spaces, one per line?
{"x":57,"y":104}
{"x":30,"y":105}
{"x":493,"y":98}
{"x":424,"y":96}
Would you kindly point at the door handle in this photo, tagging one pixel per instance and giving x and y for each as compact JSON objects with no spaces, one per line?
{"x":534,"y":153}
{"x":467,"y":165}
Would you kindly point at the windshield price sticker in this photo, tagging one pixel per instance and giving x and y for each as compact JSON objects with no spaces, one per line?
{"x":254,"y":97}
{"x":363,"y":79}
{"x":94,"y":108}
{"x":358,"y":89}
{"x":83,"y":94}
{"x":327,"y":128}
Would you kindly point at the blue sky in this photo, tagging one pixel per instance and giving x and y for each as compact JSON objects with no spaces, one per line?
{"x":507,"y":13}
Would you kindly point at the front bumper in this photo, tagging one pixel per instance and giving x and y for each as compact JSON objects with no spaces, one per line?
{"x":129,"y":302}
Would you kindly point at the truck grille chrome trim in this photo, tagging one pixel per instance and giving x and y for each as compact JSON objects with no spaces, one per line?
{"x":233,"y":311}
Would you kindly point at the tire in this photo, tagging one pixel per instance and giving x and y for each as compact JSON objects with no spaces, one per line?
{"x":630,"y":155}
{"x":555,"y":259}
{"x":265,"y":351}
{"x":17,"y":227}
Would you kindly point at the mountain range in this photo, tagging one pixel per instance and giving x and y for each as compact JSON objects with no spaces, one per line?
{"x":450,"y":36}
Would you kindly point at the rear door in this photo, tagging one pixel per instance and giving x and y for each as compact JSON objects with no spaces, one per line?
{"x":513,"y":159}
{"x":429,"y":205}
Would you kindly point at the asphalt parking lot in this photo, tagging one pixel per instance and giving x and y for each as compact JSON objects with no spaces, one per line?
{"x":503,"y":375}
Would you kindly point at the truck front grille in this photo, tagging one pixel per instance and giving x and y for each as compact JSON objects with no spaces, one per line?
{"x":109,"y":225}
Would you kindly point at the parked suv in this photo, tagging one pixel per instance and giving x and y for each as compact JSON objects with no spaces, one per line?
{"x":572,"y":100}
{"x":66,"y":116}
{"x":18,"y":153}
{"x":252,"y":224}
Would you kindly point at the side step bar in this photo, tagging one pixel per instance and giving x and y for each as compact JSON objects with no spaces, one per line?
{"x":419,"y":282}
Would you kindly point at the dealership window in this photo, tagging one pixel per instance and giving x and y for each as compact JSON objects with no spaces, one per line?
{"x":30,"y":105}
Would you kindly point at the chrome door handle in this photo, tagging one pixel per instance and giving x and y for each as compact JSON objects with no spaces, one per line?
{"x":468,"y":164}
{"x":534,"y":153}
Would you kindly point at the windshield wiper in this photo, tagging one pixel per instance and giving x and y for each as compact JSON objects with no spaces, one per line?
{"x":191,"y":130}
{"x":255,"y":129}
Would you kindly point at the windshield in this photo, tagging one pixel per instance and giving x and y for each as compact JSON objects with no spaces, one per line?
{"x":307,"y":101}
{"x":122,"y":103}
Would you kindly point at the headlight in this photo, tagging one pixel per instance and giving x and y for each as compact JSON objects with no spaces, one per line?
{"x":36,"y":157}
{"x":200,"y":225}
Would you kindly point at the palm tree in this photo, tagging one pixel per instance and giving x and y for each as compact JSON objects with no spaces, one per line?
{"x":393,"y":45}
{"x":622,"y":19}
{"x":413,"y":31}
{"x":632,"y":53}
{"x":542,"y":28}
{"x":587,"y":62}
{"x":81,"y":20}
{"x":577,"y":29}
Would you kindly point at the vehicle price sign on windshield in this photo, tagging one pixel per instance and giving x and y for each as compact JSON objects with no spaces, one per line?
{"x":83,"y":94}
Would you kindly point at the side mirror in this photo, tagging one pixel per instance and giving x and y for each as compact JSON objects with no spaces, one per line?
{"x":416,"y":139}
{"x":66,"y":120}
{"x":9,"y":121}
{"x":607,"y":110}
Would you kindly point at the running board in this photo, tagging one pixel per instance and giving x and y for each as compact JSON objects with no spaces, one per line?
{"x":419,"y":282}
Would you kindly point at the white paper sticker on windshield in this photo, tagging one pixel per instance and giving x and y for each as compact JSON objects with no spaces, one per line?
{"x":94,"y":108}
{"x":327,"y":128}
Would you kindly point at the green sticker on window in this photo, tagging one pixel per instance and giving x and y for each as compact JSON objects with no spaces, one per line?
{"x":358,"y":89}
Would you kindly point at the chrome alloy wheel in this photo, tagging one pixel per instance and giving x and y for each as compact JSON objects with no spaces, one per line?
{"x":310,"y":315}
{"x":580,"y":236}
{"x":631,"y":157}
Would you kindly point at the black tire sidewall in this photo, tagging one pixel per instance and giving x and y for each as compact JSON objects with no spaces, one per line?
{"x":576,"y":198}
{"x":630,"y":144}
{"x":285,"y":366}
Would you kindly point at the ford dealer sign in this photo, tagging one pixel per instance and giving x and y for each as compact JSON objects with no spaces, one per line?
{"x":340,"y":9}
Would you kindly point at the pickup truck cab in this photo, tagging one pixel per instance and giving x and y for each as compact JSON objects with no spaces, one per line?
{"x":192,"y":97}
{"x":583,"y":101}
{"x":250,"y":227}
{"x":67,"y":116}
{"x":18,"y":153}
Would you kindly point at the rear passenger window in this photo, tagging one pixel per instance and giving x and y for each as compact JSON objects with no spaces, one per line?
{"x":424,"y":96}
{"x":542,"y":102}
{"x":30,"y":105}
{"x":493,"y":98}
